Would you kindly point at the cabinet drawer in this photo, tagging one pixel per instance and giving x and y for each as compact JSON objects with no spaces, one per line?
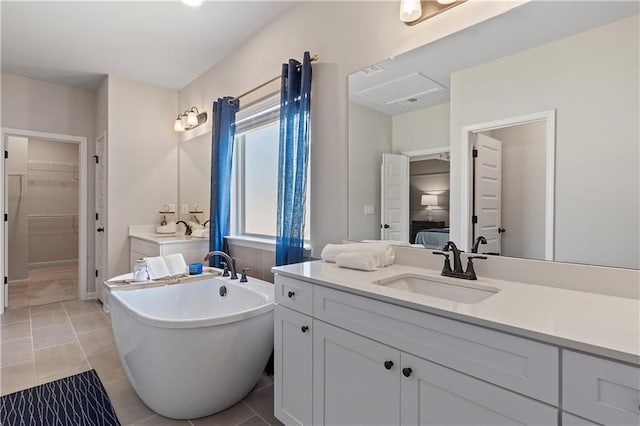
{"x":435,"y":395}
{"x":522,"y":365}
{"x":604,"y":391}
{"x":145,"y":247}
{"x":294,"y":294}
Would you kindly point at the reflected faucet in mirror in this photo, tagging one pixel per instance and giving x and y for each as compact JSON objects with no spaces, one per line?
{"x":479,"y":240}
{"x":187,"y":230}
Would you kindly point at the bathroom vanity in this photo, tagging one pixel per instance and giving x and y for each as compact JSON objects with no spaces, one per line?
{"x":399,"y":347}
{"x":146,"y":243}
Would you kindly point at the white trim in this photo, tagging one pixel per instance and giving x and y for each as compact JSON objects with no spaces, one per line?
{"x":423,"y":152}
{"x":549,"y":117}
{"x":83,"y":209}
{"x":53,"y":264}
{"x":259,"y":243}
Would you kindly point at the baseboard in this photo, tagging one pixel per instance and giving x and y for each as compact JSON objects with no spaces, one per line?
{"x":53,"y":263}
{"x":24,"y":280}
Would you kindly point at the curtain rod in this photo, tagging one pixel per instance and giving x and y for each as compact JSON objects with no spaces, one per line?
{"x":314,"y":58}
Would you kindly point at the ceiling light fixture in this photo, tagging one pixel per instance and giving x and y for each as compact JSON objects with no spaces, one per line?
{"x":192,"y":3}
{"x":189,"y":120}
{"x":413,"y":12}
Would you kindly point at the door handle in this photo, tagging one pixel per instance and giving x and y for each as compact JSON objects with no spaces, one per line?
{"x":385,"y":226}
{"x":100,"y":230}
{"x":501,"y":230}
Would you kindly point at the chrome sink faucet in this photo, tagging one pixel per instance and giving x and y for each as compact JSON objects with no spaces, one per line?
{"x":457,"y":272}
{"x":230,"y":262}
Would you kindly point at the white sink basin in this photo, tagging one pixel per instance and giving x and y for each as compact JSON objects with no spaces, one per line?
{"x":454,"y":291}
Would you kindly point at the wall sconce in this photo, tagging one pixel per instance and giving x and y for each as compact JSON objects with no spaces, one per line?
{"x":430,"y":201}
{"x":413,"y":12}
{"x":190,"y":120}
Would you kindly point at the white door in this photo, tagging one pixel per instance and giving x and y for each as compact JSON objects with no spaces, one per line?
{"x":488,"y":190}
{"x":395,"y":198}
{"x":435,"y":395}
{"x":355,"y":380}
{"x":101,"y":214}
{"x":293,"y":368}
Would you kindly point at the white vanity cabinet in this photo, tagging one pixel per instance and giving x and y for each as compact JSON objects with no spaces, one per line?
{"x":193,"y":249}
{"x":293,"y":345}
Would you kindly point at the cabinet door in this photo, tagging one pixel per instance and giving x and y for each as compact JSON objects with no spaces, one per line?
{"x":356,"y":381}
{"x":293,"y":341}
{"x":435,"y":395}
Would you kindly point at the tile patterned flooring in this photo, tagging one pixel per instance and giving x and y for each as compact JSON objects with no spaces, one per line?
{"x":43,"y":343}
{"x":44,"y":286}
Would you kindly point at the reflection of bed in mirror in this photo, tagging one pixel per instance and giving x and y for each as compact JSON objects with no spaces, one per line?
{"x":429,"y":233}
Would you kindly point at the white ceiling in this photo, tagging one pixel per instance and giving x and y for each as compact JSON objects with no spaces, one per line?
{"x":524,"y":27}
{"x":163,"y":42}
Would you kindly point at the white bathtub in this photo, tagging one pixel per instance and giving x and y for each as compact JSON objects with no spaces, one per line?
{"x":190,"y":352}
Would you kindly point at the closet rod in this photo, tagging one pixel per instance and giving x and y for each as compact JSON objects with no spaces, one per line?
{"x":314,"y":58}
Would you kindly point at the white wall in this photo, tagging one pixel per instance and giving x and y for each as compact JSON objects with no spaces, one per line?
{"x":369,"y":137}
{"x":426,"y":128}
{"x":593,"y":85}
{"x":52,"y":193}
{"x":347,"y":36}
{"x":17,"y":194}
{"x":36,"y":105}
{"x":142,"y":161}
{"x":523,"y":189}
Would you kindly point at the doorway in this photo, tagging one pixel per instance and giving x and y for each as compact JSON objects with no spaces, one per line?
{"x":45,"y":238}
{"x":508,"y":174}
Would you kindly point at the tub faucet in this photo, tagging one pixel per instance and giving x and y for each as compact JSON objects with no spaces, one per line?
{"x":188,"y":229}
{"x":230,"y":263}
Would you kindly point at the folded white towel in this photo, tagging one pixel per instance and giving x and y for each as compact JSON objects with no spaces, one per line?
{"x":384,"y":252}
{"x":195,"y":225}
{"x":361,"y":260}
{"x":200,"y":233}
{"x":169,"y":228}
{"x":390,"y":242}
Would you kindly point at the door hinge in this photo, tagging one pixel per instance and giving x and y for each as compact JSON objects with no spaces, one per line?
{"x":97,"y":216}
{"x":6,"y":217}
{"x":6,"y":280}
{"x":6,"y":154}
{"x":474,"y":153}
{"x":474,"y":219}
{"x":96,"y":273}
{"x":97,"y":159}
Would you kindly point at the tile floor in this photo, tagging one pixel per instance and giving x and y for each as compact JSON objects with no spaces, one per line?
{"x":44,"y":286}
{"x":44,"y":343}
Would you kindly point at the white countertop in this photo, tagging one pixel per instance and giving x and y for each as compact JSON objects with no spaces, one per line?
{"x":166,"y":238}
{"x":603,"y":325}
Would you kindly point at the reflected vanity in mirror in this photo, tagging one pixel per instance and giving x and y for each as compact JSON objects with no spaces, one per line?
{"x":523,"y":130}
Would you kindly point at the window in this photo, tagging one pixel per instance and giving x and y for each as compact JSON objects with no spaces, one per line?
{"x":255,"y":193}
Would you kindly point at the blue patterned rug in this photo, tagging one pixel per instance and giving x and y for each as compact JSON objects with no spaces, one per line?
{"x":74,"y":400}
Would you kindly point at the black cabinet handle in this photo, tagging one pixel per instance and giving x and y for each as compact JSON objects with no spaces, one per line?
{"x":406,"y":372}
{"x":304,"y":328}
{"x":290,"y":294}
{"x":388,"y":365}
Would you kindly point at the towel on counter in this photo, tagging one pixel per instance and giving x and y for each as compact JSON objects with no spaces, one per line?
{"x":390,"y":242}
{"x":200,"y":233}
{"x":169,"y":228}
{"x":385,"y":254}
{"x":360,"y":260}
{"x":195,"y":225}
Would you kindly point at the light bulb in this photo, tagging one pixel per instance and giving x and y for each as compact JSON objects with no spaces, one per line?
{"x":410,"y":10}
{"x":192,"y":118}
{"x":177,"y":125}
{"x":192,"y":3}
{"x":183,"y":121}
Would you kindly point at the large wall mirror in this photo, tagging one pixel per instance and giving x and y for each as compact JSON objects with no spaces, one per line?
{"x":523,"y":129}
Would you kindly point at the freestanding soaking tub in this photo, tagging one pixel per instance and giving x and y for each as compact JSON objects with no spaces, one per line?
{"x":193,"y":349}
